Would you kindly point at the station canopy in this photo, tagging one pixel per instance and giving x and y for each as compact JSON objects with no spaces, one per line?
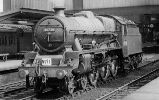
{"x":15,"y":28}
{"x":22,"y":17}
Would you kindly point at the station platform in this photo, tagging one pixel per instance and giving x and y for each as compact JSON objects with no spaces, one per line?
{"x":151,"y":90}
{"x":150,"y":57}
{"x":148,"y":92}
{"x":10,"y":64}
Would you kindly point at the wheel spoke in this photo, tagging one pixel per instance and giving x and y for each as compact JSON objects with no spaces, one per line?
{"x":84,"y":82}
{"x":93,"y":77}
{"x":114,"y":68}
{"x":104,"y":73}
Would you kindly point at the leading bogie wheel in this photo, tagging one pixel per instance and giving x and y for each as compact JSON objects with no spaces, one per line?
{"x":93,"y":78}
{"x":70,"y":85}
{"x":136,"y":64}
{"x":38,"y":85}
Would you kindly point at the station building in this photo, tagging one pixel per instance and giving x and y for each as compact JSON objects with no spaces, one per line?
{"x":143,"y":12}
{"x":140,"y":11}
{"x":136,"y":10}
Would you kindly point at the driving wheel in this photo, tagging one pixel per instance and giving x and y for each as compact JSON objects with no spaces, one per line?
{"x":104,"y":72}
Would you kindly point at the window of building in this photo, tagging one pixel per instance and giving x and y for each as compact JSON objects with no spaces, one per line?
{"x":5,"y":40}
{"x":0,"y":41}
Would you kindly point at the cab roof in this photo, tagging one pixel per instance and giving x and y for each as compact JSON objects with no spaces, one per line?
{"x":121,"y":20}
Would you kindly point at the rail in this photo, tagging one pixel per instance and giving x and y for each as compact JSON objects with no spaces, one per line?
{"x":120,"y":91}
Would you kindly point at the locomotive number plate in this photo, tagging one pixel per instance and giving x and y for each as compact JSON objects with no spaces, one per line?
{"x":46,"y":61}
{"x":49,"y":30}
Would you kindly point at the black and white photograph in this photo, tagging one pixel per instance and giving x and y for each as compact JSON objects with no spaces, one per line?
{"x":79,"y":49}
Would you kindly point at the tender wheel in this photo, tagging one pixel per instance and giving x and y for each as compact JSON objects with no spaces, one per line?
{"x":114,"y":67}
{"x":135,"y":60}
{"x":29,"y":81}
{"x":70,"y":85}
{"x":84,"y":82}
{"x":140,"y":58}
{"x":93,"y":77}
{"x":38,"y":85}
{"x":131,"y":63}
{"x":104,"y":73}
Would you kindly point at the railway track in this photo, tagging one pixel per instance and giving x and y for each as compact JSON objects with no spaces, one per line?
{"x":77,"y":93}
{"x":4,"y":89}
{"x":23,"y":94}
{"x":129,"y":88}
{"x":15,"y":90}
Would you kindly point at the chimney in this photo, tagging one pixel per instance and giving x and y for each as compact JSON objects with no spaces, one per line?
{"x":59,"y":7}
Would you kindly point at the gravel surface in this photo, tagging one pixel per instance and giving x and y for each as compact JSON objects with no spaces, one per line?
{"x":9,"y":78}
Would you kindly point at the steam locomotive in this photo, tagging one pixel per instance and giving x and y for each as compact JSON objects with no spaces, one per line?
{"x":72,"y":52}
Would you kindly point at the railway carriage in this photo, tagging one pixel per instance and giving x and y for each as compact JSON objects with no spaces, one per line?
{"x":15,"y":38}
{"x":72,"y":52}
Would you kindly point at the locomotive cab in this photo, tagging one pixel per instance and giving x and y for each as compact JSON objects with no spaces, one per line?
{"x":131,"y":40}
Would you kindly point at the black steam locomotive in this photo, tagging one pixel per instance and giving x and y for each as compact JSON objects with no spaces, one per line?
{"x":72,"y":52}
